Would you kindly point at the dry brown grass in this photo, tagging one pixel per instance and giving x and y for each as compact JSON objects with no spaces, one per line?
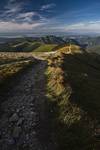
{"x":73,"y":127}
{"x":10,"y":69}
{"x":70,"y":49}
{"x":12,"y":63}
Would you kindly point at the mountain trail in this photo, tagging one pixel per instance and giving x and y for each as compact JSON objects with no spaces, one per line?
{"x":24,"y":122}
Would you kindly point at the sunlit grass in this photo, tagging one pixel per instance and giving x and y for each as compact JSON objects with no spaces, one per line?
{"x":12,"y":63}
{"x":45,"y":48}
{"x":73,"y":94}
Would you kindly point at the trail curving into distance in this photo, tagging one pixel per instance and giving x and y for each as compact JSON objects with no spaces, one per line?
{"x":24,"y":122}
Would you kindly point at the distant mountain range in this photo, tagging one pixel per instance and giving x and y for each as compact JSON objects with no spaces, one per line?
{"x":29,"y":44}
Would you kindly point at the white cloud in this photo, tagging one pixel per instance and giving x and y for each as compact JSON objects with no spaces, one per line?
{"x":91,"y":26}
{"x":12,"y":8}
{"x":48,"y":6}
{"x":29,"y":17}
{"x":26,"y":16}
{"x":12,"y":26}
{"x":14,"y":13}
{"x":15,"y":19}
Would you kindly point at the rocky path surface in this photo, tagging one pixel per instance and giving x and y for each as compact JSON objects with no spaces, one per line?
{"x":24,"y":122}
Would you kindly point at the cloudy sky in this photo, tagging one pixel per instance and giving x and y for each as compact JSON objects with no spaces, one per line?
{"x":50,"y":16}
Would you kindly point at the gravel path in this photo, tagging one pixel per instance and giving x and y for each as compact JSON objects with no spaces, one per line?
{"x":24,"y":123}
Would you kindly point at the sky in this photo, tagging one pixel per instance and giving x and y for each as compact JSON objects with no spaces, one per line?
{"x":73,"y":16}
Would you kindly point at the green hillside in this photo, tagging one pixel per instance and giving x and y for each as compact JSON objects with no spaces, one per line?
{"x":19,"y":47}
{"x":26,"y":46}
{"x":29,"y":45}
{"x":45,"y":48}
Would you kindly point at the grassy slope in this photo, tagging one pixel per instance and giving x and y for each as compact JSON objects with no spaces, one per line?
{"x":26,"y":46}
{"x":73,"y":90}
{"x":29,"y":47}
{"x":45,"y":48}
{"x":6,"y":60}
{"x":10,"y":68}
{"x":95,"y":49}
{"x":32,"y":46}
{"x":21,"y":46}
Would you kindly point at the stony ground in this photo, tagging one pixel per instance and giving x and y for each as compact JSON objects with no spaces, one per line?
{"x":24,"y":122}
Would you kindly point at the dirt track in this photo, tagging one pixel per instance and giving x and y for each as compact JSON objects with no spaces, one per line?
{"x":24,"y":123}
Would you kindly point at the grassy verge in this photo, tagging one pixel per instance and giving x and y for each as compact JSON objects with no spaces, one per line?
{"x":9,"y":57}
{"x":9,"y":70}
{"x":74,"y":101}
{"x":10,"y":74}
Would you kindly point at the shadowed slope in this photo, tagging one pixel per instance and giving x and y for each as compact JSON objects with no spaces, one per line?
{"x":73,"y":90}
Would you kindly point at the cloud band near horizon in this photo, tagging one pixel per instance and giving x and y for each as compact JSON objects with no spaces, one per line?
{"x":23,"y":16}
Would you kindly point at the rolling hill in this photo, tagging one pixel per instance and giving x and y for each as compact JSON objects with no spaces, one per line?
{"x":31,"y":44}
{"x":49,"y":43}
